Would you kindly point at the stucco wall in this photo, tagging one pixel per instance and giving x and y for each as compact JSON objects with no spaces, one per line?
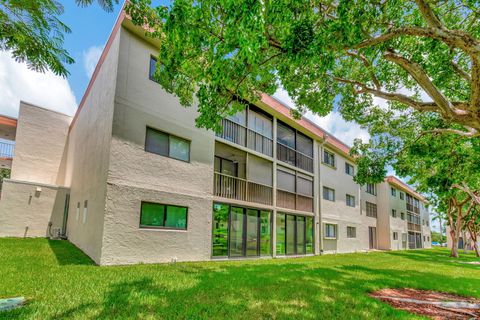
{"x":88,"y":155}
{"x":135,"y":175}
{"x":40,"y":144}
{"x":27,"y":208}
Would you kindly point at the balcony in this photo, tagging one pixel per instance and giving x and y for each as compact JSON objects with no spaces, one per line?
{"x":294,"y":157}
{"x":230,"y":187}
{"x":246,"y":137}
{"x":414,"y":227}
{"x":6,"y":150}
{"x":289,"y":200}
{"x":412,"y":208}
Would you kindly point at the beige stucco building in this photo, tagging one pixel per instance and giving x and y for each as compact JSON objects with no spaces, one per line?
{"x":130,"y":179}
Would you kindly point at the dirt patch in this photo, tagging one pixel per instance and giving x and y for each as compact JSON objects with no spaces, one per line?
{"x":436,"y":305}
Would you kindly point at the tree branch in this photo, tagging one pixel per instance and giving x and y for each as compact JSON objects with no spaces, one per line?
{"x":369,"y":67}
{"x":428,"y":14}
{"x":461,"y":72}
{"x":471,"y":133}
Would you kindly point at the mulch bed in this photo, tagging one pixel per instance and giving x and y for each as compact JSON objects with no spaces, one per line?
{"x":420,"y":303}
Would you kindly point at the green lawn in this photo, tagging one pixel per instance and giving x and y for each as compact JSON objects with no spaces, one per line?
{"x":60,"y":282}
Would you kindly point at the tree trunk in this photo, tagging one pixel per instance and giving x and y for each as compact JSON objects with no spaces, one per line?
{"x":474,"y":239}
{"x":454,"y":236}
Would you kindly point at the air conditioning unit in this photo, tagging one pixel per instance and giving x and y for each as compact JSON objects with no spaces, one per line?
{"x":56,"y":233}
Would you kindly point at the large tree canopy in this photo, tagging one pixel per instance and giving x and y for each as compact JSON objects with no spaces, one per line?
{"x":33,"y":32}
{"x":228,"y":51}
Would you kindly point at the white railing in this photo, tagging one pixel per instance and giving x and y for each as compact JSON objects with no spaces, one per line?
{"x":230,"y":187}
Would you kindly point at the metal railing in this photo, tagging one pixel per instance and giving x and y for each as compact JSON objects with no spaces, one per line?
{"x":412,"y":208}
{"x":290,"y":200}
{"x":245,"y":137}
{"x":294,"y":157}
{"x":6,"y":150}
{"x":230,"y":187}
{"x":414,"y":227}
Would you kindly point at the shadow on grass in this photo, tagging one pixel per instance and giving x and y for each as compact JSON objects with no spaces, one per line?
{"x":68,"y":254}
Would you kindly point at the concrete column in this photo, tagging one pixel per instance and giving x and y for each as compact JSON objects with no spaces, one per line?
{"x":316,"y":196}
{"x":274,"y":169}
{"x":319,"y":223}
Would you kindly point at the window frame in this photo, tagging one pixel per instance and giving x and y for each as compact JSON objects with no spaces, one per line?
{"x":325,"y":188}
{"x":325,"y":151}
{"x":165,"y":205}
{"x":372,"y":205}
{"x":393,"y":191}
{"x":402,"y":195}
{"x":347,"y":171}
{"x":395,"y":235}
{"x":347,"y":202}
{"x":394,"y":213}
{"x":168,"y":149}
{"x":374,"y":191}
{"x":334,"y":229}
{"x":349,"y":232}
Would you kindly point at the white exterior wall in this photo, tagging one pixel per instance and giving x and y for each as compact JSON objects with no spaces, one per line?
{"x":136,"y":175}
{"x":88,"y":157}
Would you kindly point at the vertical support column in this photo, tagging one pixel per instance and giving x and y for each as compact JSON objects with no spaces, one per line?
{"x":316,"y":196}
{"x":274,"y":189}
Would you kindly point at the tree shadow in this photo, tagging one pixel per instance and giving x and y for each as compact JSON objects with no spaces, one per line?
{"x":68,"y":254}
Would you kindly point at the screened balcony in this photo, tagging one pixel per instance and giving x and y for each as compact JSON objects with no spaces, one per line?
{"x":250,"y":128}
{"x":240,"y":176}
{"x":6,"y":150}
{"x":294,"y":190}
{"x":294,"y":148}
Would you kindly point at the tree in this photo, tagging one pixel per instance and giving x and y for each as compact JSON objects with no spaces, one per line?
{"x":438,"y":237}
{"x":33,"y":33}
{"x":227,"y":52}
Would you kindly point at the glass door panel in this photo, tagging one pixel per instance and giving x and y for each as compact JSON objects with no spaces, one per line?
{"x":280,"y":228}
{"x":265,"y":242}
{"x":290,"y":234}
{"x":309,"y":235}
{"x":300,"y":235}
{"x":252,"y":232}
{"x":236,"y":232}
{"x":220,"y":229}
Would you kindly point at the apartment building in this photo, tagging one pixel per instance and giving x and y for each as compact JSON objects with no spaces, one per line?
{"x":130,"y":179}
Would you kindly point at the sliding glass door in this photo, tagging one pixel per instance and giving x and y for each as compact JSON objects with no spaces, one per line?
{"x":247,"y":232}
{"x":294,"y":234}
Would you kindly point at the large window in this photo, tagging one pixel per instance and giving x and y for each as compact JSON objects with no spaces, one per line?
{"x":330,"y":231}
{"x":329,"y":158}
{"x":153,"y":66}
{"x":349,"y":169}
{"x":350,"y":200}
{"x":370,"y":188}
{"x":156,"y":215}
{"x":294,"y":190}
{"x":371,"y":209}
{"x":328,"y":194}
{"x":294,"y":234}
{"x":240,"y":232}
{"x":394,"y":192}
{"x":167,"y":145}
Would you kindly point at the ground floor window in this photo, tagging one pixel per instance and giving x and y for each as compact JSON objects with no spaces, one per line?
{"x":330,"y":230}
{"x":156,"y":215}
{"x":294,"y":234}
{"x":240,"y":232}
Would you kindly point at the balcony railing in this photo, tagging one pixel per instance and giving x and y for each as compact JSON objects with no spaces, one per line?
{"x":6,"y":150}
{"x":294,"y":157}
{"x":412,"y":208}
{"x":290,"y":200}
{"x":245,"y":137}
{"x":414,"y":227}
{"x":226,"y":186}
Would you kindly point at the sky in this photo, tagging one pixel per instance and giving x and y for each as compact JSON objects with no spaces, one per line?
{"x":90,"y":28}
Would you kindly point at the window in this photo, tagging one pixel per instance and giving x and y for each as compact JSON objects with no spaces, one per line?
{"x":328,"y":158}
{"x":78,"y":211}
{"x":394,"y":192}
{"x":394,"y":213}
{"x":85,"y":211}
{"x":428,"y":238}
{"x":371,"y":209}
{"x":260,"y":123}
{"x":155,"y":215}
{"x":402,"y":215}
{"x":167,"y":145}
{"x":330,"y":230}
{"x":349,"y":169}
{"x":371,"y":189}
{"x":328,"y":194}
{"x":402,"y":196}
{"x":294,"y":147}
{"x":428,"y":223}
{"x":350,"y":200}
{"x":153,"y":66}
{"x":395,"y":236}
{"x":424,"y":238}
{"x":351,"y":232}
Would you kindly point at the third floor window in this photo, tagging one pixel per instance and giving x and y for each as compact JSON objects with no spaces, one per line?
{"x":294,"y":147}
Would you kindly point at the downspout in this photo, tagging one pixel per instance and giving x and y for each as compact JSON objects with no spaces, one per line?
{"x":320,"y":193}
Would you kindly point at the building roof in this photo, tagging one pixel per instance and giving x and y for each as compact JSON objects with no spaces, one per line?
{"x":403,"y":186}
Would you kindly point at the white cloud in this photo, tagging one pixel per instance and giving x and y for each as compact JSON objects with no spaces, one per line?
{"x":90,"y":59}
{"x":333,"y":122}
{"x":47,"y":90}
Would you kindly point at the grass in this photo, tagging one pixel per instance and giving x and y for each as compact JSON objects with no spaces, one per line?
{"x":60,"y":282}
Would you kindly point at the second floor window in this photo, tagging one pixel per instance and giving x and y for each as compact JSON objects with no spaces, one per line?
{"x":329,"y":158}
{"x":167,"y":145}
{"x":328,"y":194}
{"x":394,"y":213}
{"x":370,"y":188}
{"x":371,"y":209}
